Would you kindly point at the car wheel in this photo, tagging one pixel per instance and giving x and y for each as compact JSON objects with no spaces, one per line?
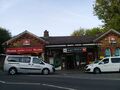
{"x":12,"y":71}
{"x":45,"y":71}
{"x":97,"y":71}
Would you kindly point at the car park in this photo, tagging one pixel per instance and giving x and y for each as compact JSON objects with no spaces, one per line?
{"x":26,"y":64}
{"x":107,"y":64}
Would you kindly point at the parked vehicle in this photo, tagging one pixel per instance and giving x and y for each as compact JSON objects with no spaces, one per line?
{"x":26,"y":64}
{"x":107,"y":64}
{"x":2,"y":58}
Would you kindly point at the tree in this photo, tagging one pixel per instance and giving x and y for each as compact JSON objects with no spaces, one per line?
{"x":91,"y":32}
{"x":94,"y":31}
{"x":78,"y":32}
{"x":4,"y":36}
{"x":109,"y":12}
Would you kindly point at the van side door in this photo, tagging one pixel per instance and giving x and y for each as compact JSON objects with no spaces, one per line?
{"x":25,"y":64}
{"x":37,"y":65}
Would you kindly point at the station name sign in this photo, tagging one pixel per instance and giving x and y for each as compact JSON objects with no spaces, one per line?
{"x":75,"y":50}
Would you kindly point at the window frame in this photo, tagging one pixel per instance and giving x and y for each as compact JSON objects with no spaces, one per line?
{"x":12,"y":59}
{"x":40,"y":61}
{"x":117,"y":52}
{"x":112,"y":61}
{"x":106,"y":59}
{"x":23,"y":60}
{"x":107,"y":52}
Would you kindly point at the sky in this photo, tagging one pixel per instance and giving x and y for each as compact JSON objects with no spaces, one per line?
{"x":59,"y":17}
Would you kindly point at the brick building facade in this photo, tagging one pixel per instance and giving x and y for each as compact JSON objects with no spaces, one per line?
{"x":109,"y":43}
{"x":25,"y":43}
{"x":67,"y":52}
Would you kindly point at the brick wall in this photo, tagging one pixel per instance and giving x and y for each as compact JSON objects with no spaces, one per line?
{"x":111,"y":41}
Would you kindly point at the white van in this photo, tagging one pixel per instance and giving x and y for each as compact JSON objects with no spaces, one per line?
{"x":26,"y":64}
{"x":108,"y":64}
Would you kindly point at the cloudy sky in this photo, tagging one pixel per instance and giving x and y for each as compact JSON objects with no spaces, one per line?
{"x":59,"y":17}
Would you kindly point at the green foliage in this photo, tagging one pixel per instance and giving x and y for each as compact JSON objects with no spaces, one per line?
{"x":91,"y":32}
{"x":109,"y":12}
{"x":78,"y":32}
{"x":4,"y":36}
{"x":94,"y":31}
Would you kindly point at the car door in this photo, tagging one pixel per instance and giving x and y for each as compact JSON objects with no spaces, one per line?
{"x":37,"y":65}
{"x":105,"y":65}
{"x":25,"y":64}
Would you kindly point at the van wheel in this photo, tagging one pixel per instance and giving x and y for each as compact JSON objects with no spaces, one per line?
{"x":12,"y":71}
{"x":97,"y":71}
{"x":45,"y":71}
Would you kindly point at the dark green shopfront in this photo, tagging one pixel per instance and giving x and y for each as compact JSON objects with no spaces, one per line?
{"x":71,"y":57}
{"x":70,"y":52}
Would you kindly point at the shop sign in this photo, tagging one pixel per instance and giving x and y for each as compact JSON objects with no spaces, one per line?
{"x":65,"y":50}
{"x":24,"y":50}
{"x":84,"y":49}
{"x":74,"y":50}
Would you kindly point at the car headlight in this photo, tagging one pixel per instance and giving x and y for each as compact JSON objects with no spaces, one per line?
{"x":90,"y":66}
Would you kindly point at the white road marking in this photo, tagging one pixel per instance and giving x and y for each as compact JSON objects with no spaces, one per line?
{"x":66,"y":88}
{"x":25,"y":83}
{"x":2,"y":82}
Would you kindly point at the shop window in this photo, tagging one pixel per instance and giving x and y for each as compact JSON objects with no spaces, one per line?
{"x":117,"y":52}
{"x":107,"y":52}
{"x":57,"y":60}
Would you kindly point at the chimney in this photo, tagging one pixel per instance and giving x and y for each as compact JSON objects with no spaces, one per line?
{"x":46,"y":33}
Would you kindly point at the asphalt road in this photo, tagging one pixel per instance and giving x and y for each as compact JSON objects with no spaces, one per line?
{"x":64,"y":81}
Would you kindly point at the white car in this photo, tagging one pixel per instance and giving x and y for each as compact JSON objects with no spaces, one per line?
{"x":108,"y":64}
{"x":26,"y":64}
